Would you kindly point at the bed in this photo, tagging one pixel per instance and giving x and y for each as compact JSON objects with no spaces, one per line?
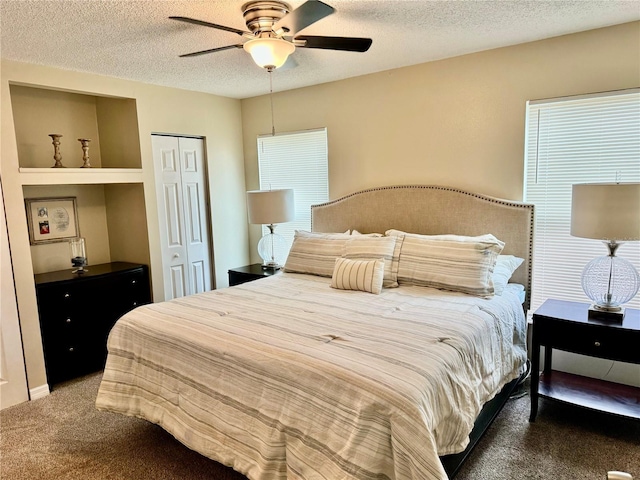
{"x":286,"y":377}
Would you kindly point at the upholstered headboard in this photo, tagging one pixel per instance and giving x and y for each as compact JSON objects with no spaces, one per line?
{"x":434,"y":210}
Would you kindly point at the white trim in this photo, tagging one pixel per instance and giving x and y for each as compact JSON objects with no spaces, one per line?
{"x":307,"y":130}
{"x":611,"y":93}
{"x":39,"y":392}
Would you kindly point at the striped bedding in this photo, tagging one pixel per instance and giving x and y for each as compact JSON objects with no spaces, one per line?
{"x":286,"y":377}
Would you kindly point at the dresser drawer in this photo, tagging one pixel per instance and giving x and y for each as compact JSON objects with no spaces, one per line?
{"x":589,"y":339}
{"x":132,"y":291}
{"x":59,"y":300}
{"x":71,"y":358}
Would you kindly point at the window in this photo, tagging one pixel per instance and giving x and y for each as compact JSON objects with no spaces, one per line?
{"x":588,"y":139}
{"x":296,"y":160}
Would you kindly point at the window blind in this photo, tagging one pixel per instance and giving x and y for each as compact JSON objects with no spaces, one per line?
{"x":587,"y":139}
{"x":297,"y":160}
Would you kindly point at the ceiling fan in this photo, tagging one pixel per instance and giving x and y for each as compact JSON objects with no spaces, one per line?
{"x":273,"y":32}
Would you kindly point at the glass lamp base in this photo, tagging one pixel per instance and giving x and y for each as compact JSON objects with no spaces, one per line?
{"x":271,"y":266}
{"x":609,"y":282}
{"x":271,"y":248}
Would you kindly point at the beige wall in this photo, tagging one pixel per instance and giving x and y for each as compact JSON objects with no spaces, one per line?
{"x":74,"y":116}
{"x":92,"y":222}
{"x":124,"y":228}
{"x":159,"y":109}
{"x":457,"y":122}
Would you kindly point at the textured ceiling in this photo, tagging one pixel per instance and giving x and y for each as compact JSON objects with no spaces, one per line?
{"x":135,"y":40}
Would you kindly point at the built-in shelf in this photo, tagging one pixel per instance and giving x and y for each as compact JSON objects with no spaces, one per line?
{"x":79,"y":176}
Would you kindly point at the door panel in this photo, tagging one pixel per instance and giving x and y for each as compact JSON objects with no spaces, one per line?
{"x":198,"y":277}
{"x":173,"y":219}
{"x":196,"y":216}
{"x":174,"y":253}
{"x":178,"y":281}
{"x":183,"y":210}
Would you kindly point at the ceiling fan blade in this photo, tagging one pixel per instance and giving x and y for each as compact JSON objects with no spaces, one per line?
{"x":303,"y":16}
{"x":211,"y":50}
{"x":212,"y":25}
{"x":351,"y":44}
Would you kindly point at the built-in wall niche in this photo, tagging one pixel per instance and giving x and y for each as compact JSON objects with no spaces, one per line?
{"x":110,"y":123}
{"x":111,"y":218}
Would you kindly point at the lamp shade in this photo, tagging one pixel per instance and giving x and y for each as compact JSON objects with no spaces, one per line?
{"x":271,"y":206}
{"x":269,"y":52}
{"x":606,"y":211}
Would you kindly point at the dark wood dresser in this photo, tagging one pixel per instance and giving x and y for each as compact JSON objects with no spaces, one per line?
{"x":77,"y":313}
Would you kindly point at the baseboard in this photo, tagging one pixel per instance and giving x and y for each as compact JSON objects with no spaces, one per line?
{"x":39,"y":392}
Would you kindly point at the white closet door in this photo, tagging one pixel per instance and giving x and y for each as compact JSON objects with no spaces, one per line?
{"x":195,"y":214}
{"x":183,"y":215}
{"x":13,"y":381}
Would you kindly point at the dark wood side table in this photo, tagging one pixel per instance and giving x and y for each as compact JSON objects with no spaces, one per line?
{"x":249,"y":273}
{"x":564,"y":326}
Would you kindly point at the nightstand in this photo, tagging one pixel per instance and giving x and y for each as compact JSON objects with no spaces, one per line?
{"x":564,"y":326}
{"x":249,"y":273}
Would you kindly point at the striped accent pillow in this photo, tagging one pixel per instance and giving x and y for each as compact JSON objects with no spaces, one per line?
{"x":362,"y":275}
{"x":449,"y":262}
{"x":362,"y":247}
{"x":315,"y":253}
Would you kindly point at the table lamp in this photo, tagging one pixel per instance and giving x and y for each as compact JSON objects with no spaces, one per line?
{"x":609,"y":212}
{"x":269,"y":207}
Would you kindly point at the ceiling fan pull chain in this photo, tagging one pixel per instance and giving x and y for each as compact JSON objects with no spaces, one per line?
{"x":273,"y":127}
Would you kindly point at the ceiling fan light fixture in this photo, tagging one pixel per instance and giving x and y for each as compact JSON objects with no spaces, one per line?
{"x":269,"y":52}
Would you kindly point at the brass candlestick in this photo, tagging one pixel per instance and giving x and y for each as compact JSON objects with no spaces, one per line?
{"x":85,"y":152}
{"x":56,"y":150}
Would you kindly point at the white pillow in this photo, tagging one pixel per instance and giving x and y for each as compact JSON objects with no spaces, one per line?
{"x":362,"y":247}
{"x":356,"y":232}
{"x":449,"y":262}
{"x":362,"y":275}
{"x":503,"y":270}
{"x":315,"y":253}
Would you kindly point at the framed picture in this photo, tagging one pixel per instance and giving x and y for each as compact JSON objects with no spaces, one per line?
{"x":52,"y":219}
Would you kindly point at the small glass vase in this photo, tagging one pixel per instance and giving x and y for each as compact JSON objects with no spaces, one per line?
{"x":78,"y":255}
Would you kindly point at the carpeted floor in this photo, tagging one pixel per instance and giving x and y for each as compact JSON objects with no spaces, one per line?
{"x":63,"y":437}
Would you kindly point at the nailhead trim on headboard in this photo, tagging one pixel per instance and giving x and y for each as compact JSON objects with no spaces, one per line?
{"x":509,"y":203}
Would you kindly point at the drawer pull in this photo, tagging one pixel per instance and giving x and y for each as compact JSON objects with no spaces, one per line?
{"x":66,"y":295}
{"x":68,"y":320}
{"x":597,"y":344}
{"x":133,"y":282}
{"x":70,"y":349}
